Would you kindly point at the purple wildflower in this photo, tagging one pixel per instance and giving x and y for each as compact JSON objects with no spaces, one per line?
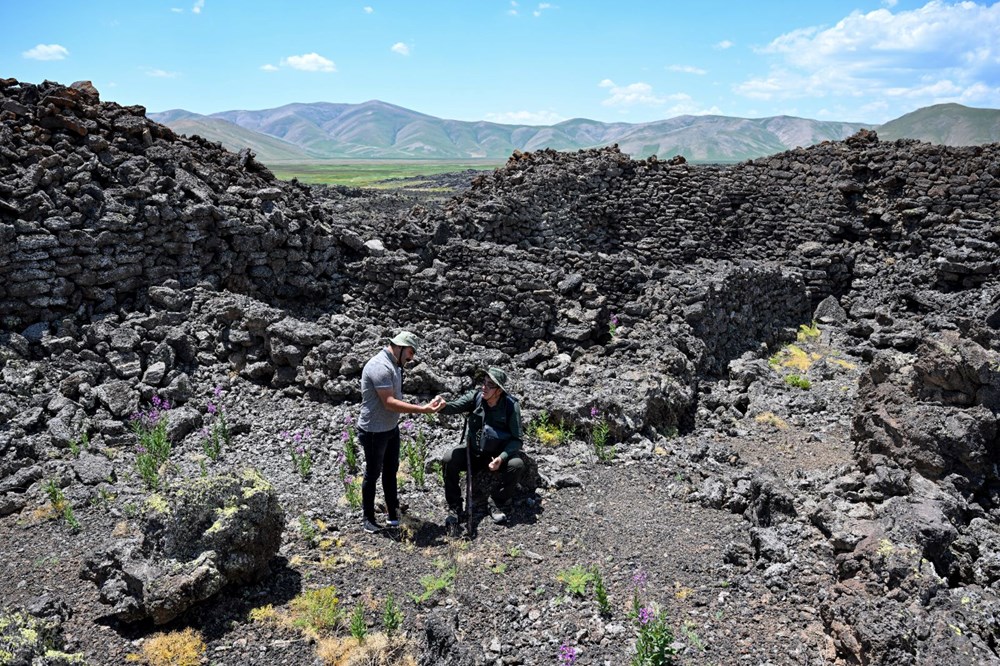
{"x":639,"y":579}
{"x":348,"y":420}
{"x":307,"y":433}
{"x":212,"y":409}
{"x":594,"y":412}
{"x":567,"y":655}
{"x":297,"y":437}
{"x":217,"y":391}
{"x":285,"y":434}
{"x":300,"y":450}
{"x":139,"y":448}
{"x":614,"y":320}
{"x":205,"y":432}
{"x":407,"y":425}
{"x":645,"y":615}
{"x":344,"y":436}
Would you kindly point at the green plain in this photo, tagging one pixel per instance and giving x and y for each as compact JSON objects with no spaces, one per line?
{"x":372,"y":173}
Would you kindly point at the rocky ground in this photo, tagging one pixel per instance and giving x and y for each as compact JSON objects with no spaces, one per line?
{"x":640,"y":519}
{"x":794,"y":362}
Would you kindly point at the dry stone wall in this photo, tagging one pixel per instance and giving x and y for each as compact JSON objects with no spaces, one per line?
{"x":97,"y":203}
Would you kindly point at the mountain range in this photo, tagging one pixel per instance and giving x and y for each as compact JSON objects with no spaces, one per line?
{"x":378,"y":130}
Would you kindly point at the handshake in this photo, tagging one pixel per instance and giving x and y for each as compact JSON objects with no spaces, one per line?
{"x":434,"y":406}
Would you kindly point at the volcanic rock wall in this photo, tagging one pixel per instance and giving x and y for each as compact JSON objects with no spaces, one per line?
{"x":97,"y":203}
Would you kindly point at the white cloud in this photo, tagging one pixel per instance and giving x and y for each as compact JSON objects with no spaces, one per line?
{"x":631,"y":95}
{"x":177,"y":10}
{"x":400,"y":48}
{"x":46,"y":52}
{"x":724,"y":44}
{"x":687,"y":69}
{"x":198,"y":6}
{"x":161,"y":74}
{"x":542,"y":7}
{"x":309,"y":62}
{"x":641,"y":94}
{"x":369,"y":10}
{"x":525,"y":117}
{"x":269,"y":68}
{"x":513,"y":8}
{"x":938,"y":53}
{"x":890,"y":3}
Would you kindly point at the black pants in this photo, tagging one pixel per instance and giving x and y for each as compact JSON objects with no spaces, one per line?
{"x":381,"y":458}
{"x":511,"y":471}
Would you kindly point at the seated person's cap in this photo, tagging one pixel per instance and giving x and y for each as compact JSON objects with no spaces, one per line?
{"x":405,"y":339}
{"x":499,"y":377}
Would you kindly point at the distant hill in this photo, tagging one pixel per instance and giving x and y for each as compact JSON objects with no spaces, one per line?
{"x":377,"y":130}
{"x":947,"y":124}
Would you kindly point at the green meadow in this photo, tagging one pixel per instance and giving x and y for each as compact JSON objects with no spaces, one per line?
{"x":372,"y":173}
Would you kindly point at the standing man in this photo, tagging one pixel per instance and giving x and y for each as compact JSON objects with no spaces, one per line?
{"x":492,"y":441}
{"x":378,"y":426}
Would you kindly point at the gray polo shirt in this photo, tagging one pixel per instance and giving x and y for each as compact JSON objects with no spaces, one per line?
{"x":381,"y":372}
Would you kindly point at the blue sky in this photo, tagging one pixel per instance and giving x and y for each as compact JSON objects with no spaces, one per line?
{"x":520,"y":62}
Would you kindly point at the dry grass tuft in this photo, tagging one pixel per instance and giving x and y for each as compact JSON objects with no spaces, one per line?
{"x":377,"y":650}
{"x":177,"y":648}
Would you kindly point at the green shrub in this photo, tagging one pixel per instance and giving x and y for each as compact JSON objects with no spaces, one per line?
{"x":576,"y":579}
{"x":798,"y":382}
{"x":318,"y":609}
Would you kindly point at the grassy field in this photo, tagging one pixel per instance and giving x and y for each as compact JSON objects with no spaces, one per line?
{"x":371,"y":173}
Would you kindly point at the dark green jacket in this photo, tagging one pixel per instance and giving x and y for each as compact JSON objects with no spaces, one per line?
{"x":504,"y":418}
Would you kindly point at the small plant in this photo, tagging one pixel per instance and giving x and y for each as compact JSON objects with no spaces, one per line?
{"x":392,"y":616}
{"x":688,"y":629}
{"x":415,"y":451}
{"x":807,"y":332}
{"x":770,"y":418}
{"x":263,"y":614}
{"x":352,"y":491}
{"x":437,"y":469}
{"x":567,"y":655}
{"x":317,"y":610}
{"x":499,"y":568}
{"x":601,"y":594}
{"x":301,"y":456}
{"x":549,"y":433}
{"x":217,"y":434}
{"x":350,"y":439}
{"x":798,"y":382}
{"x":153,"y":448}
{"x":639,"y":580}
{"x":79,"y":443}
{"x":57,"y":498}
{"x":177,"y":648}
{"x":654,"y":646}
{"x":308,"y":530}
{"x":359,"y":627}
{"x":599,"y":432}
{"x":613,"y":324}
{"x":576,"y":579}
{"x":432,"y":584}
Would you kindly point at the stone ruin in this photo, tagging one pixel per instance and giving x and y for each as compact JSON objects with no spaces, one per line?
{"x":130,"y":256}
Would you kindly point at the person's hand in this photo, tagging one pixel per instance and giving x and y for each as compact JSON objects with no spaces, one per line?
{"x":438,"y":403}
{"x":495,"y":464}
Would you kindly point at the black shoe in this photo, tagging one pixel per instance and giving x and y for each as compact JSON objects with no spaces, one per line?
{"x":499,"y":511}
{"x":370,"y":526}
{"x":456,"y":517}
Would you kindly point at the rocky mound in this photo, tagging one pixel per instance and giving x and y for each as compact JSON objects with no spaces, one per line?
{"x":843,"y":485}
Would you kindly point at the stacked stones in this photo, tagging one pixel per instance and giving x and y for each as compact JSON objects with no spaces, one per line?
{"x":98,"y":203}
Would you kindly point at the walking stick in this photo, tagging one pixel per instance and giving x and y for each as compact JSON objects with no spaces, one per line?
{"x":468,"y":488}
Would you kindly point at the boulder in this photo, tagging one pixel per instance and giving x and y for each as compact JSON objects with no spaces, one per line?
{"x":198,"y":536}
